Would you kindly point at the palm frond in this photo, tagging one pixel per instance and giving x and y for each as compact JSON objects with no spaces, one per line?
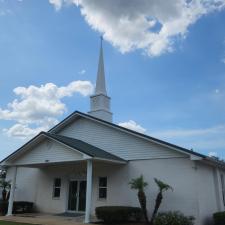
{"x":5,"y":184}
{"x":138,"y":183}
{"x":162,"y":186}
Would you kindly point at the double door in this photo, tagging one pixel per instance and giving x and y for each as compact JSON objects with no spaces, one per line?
{"x":77,"y":195}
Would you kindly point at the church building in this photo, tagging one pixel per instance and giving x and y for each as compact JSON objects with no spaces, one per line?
{"x":87,"y":161}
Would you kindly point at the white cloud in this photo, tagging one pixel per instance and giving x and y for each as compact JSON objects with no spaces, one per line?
{"x":189,"y":132}
{"x":143,"y":24}
{"x":223,"y":60}
{"x":213,"y":154}
{"x":57,"y":3}
{"x":23,"y":131}
{"x":133,"y":126}
{"x":82,"y":72}
{"x":5,"y":12}
{"x":217,"y":91}
{"x":203,"y":139}
{"x":37,"y":108}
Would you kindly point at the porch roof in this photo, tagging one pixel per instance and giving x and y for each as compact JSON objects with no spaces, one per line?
{"x":84,"y":147}
{"x":78,"y":145}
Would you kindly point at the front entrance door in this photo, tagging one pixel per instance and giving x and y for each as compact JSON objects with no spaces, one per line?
{"x":77,"y":195}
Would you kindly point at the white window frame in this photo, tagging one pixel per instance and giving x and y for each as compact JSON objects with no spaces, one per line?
{"x":56,"y":187}
{"x":102,"y":187}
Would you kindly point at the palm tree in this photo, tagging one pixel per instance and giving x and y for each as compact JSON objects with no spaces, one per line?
{"x":2,"y":174}
{"x":5,"y":185}
{"x":162,"y":188}
{"x":139,"y":184}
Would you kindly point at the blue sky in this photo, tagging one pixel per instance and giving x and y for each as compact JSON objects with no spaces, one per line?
{"x":167,"y":81}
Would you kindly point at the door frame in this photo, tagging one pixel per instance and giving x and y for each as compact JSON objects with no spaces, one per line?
{"x":78,"y":190}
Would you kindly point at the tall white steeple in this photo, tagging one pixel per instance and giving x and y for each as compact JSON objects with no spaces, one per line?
{"x":100,"y":102}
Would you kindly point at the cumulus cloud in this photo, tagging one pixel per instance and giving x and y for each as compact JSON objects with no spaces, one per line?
{"x":37,"y":108}
{"x":143,"y":24}
{"x":133,"y":126}
{"x":23,"y":131}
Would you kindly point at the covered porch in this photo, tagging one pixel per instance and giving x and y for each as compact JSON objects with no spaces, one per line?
{"x":64,"y":175}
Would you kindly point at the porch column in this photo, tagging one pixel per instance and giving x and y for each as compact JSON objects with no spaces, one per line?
{"x":12,"y":191}
{"x":88,"y":191}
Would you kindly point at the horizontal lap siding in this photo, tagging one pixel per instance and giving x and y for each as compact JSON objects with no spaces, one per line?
{"x":116,"y":142}
{"x":48,"y":150}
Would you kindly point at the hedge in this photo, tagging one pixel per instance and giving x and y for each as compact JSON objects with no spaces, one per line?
{"x":18,"y":207}
{"x":22,"y":207}
{"x":3,"y":207}
{"x":219,"y":218}
{"x":112,"y":214}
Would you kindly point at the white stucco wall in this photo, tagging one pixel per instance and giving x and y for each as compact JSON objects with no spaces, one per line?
{"x":26,"y":183}
{"x":193,"y":182}
{"x":207,"y":191}
{"x":194,"y":188}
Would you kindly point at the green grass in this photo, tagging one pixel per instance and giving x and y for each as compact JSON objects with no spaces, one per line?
{"x":13,"y":223}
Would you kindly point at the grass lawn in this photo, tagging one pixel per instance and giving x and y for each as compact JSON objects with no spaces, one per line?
{"x":13,"y":223}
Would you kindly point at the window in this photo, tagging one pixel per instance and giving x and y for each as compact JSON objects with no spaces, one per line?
{"x":102,"y":194}
{"x":223,"y":187}
{"x":56,"y":188}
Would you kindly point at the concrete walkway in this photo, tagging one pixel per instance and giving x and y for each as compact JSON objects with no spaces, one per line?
{"x":44,"y":219}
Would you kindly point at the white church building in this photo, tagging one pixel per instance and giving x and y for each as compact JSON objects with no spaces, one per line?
{"x":87,"y":161}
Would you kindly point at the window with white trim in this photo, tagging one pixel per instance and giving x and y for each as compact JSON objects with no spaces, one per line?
{"x":223,"y":187}
{"x":56,"y":188}
{"x":102,"y":188}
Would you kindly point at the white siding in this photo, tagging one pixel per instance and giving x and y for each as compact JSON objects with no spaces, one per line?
{"x":116,"y":142}
{"x":48,"y":150}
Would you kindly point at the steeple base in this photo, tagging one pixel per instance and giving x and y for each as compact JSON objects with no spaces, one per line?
{"x":102,"y":114}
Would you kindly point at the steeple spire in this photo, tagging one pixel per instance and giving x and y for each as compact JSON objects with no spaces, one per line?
{"x":100,"y":102}
{"x":100,"y":83}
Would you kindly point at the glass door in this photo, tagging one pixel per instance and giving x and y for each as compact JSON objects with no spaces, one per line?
{"x":82,"y":195}
{"x":77,"y":195}
{"x":72,"y":200}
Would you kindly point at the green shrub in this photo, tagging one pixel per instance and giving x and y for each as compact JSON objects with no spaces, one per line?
{"x":173,"y":218}
{"x":3,"y":207}
{"x":112,"y":214}
{"x":219,"y":218}
{"x":22,"y":207}
{"x":18,"y":207}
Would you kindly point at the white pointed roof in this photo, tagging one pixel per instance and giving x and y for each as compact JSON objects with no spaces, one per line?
{"x":100,"y":83}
